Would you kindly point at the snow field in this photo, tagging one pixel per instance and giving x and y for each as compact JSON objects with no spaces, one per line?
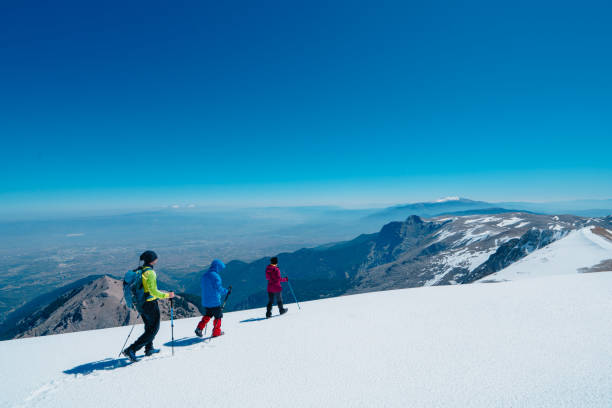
{"x":536,"y":342}
{"x":579,"y":249}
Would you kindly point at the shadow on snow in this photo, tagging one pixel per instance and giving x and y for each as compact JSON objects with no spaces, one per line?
{"x":113,"y":363}
{"x":257,"y":319}
{"x":186,"y":341}
{"x":102,"y":365}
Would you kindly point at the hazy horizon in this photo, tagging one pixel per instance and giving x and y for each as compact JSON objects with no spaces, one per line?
{"x":64,"y":212}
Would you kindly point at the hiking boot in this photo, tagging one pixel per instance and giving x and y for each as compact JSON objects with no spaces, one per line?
{"x":283,"y":311}
{"x":269,"y":311}
{"x":129,"y":353}
{"x":151,"y":352}
{"x":198,"y":332}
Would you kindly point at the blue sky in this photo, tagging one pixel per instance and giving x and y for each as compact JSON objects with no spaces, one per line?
{"x":116,"y":105}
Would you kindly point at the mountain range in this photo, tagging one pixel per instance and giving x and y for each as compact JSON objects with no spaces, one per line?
{"x":443,"y":250}
{"x":465,"y":206}
{"x":96,"y":303}
{"x":412,"y":253}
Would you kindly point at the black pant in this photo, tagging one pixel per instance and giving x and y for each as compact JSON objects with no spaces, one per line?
{"x":151,"y":317}
{"x":272,"y":296}
{"x":215,"y":312}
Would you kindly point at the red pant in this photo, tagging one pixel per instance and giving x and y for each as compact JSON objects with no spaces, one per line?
{"x":216,"y":325}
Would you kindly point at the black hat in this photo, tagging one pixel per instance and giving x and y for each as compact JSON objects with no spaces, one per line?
{"x":148,"y":257}
{"x":274,"y":260}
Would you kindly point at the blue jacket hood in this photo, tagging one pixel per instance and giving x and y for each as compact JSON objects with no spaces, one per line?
{"x":216,"y":266}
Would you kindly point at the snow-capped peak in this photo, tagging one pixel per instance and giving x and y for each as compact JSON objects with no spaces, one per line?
{"x":446,"y":199}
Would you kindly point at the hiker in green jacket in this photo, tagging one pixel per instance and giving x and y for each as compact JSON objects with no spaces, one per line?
{"x":150,"y":311}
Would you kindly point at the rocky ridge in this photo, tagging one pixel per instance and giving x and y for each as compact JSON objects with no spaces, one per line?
{"x":95,"y":305}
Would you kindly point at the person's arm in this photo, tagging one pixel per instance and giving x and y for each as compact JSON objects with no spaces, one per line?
{"x":151,"y":279}
{"x":278,"y":276}
{"x":218,"y":286}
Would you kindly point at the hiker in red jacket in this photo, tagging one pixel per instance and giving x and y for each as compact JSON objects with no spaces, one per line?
{"x":275,"y":289}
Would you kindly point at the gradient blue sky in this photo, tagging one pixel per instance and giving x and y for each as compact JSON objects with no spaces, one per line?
{"x":123,"y":104}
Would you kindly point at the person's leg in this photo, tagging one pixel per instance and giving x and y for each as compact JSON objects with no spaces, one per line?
{"x":148,"y":317}
{"x":279,"y":302}
{"x":270,"y":303}
{"x":205,"y":319}
{"x":217,"y":323}
{"x":154,"y":327}
{"x":203,"y":322}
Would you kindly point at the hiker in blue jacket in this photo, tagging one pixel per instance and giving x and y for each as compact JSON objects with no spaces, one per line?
{"x":212,"y":292}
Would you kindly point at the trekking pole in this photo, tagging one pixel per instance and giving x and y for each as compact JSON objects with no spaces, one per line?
{"x":126,"y":340}
{"x":293,"y":293}
{"x":172,"y":323}
{"x":128,"y":337}
{"x":226,"y":296}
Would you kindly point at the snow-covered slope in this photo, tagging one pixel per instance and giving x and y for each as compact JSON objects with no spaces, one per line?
{"x":535,"y":342}
{"x":449,"y":249}
{"x":578,"y":252}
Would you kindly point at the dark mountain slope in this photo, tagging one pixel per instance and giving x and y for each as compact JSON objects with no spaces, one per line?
{"x":339,"y":263}
{"x":95,"y":304}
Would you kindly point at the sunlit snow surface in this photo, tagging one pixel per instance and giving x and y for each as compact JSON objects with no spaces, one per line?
{"x":542,"y":342}
{"x":462,"y":258}
{"x":579,"y":249}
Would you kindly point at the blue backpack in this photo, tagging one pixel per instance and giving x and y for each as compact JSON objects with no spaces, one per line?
{"x":133,"y":291}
